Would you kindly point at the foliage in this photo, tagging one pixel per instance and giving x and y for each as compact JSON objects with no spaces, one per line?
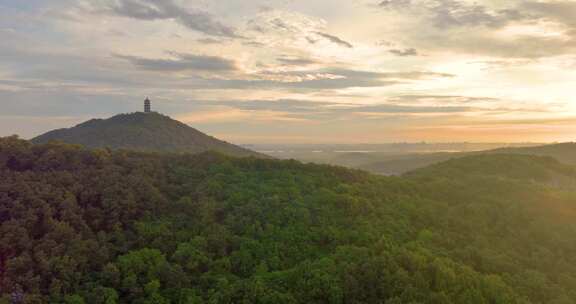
{"x":81,"y":226}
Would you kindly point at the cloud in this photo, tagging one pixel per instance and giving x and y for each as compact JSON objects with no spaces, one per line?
{"x":61,"y":102}
{"x":184,"y":71}
{"x":515,"y":29}
{"x":31,"y":68}
{"x":324,"y":111}
{"x":305,"y":82}
{"x":337,"y":78}
{"x":413,"y":75}
{"x":417,"y":75}
{"x":168,"y":10}
{"x":210,"y":41}
{"x":443,"y":99}
{"x":284,"y":22}
{"x":327,"y":79}
{"x":308,"y":111}
{"x":280,"y":105}
{"x":560,"y":11}
{"x":522,"y":47}
{"x":55,"y":65}
{"x":183,"y":62}
{"x":404,"y":52}
{"x":335,"y":40}
{"x":504,"y":63}
{"x":453,"y":13}
{"x":297,"y":61}
{"x":278,"y":27}
{"x":395,"y":108}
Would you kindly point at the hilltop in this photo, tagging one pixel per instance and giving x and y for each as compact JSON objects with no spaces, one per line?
{"x":143,"y":132}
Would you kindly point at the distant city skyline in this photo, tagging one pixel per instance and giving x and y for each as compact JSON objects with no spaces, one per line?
{"x":294,"y":71}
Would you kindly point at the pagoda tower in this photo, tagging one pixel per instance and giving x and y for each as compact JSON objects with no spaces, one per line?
{"x":147,"y":106}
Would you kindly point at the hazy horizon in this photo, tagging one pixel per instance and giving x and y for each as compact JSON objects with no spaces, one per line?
{"x":289,"y":72}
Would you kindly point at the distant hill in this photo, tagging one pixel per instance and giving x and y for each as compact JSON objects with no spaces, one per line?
{"x":143,"y":132}
{"x":399,"y":164}
{"x":532,"y":168}
{"x":564,"y":152}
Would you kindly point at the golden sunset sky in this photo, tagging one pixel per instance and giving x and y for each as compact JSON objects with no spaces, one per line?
{"x":281,"y":71}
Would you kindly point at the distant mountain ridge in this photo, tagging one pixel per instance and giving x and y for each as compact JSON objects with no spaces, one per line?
{"x":140,"y":131}
{"x":394,"y":165}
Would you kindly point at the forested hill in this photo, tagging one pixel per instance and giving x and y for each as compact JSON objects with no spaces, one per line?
{"x":400,"y":164}
{"x":564,"y":152}
{"x":101,"y":226}
{"x":538,"y":169}
{"x":143,"y":132}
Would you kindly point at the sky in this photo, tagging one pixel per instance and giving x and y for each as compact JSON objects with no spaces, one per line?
{"x":296,"y":71}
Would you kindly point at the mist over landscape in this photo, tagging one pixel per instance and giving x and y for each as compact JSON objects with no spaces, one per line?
{"x":287,"y":151}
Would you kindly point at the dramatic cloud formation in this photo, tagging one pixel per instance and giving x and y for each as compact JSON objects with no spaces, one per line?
{"x":526,"y":29}
{"x":165,"y":10}
{"x":277,"y":70}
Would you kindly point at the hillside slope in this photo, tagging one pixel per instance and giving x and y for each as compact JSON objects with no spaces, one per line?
{"x":143,"y":132}
{"x":399,"y":164}
{"x":564,"y":152}
{"x":82,"y":226}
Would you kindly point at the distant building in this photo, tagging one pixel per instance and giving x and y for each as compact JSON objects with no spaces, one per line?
{"x":147,"y":106}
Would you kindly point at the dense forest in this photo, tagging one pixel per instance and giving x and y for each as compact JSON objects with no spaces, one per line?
{"x":102,"y":226}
